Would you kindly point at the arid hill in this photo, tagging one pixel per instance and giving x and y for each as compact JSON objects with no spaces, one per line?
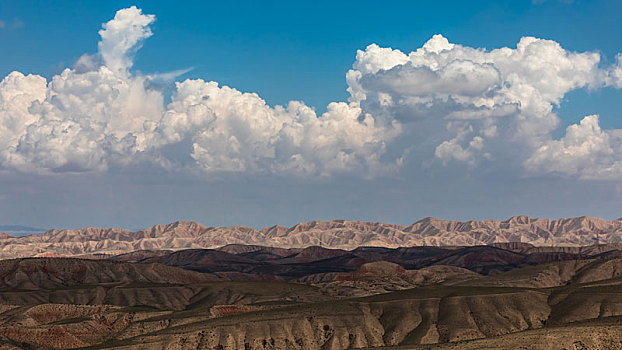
{"x":335,"y":234}
{"x":60,"y":303}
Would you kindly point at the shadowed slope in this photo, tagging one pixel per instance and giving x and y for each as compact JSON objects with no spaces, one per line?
{"x":53,"y":273}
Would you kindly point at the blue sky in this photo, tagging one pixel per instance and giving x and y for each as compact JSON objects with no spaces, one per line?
{"x":301,"y":51}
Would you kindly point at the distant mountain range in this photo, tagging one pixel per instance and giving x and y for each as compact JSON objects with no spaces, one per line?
{"x":16,"y":230}
{"x":335,"y":234}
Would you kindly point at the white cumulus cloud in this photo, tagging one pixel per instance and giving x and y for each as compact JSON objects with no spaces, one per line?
{"x":122,"y":36}
{"x":235,"y":131}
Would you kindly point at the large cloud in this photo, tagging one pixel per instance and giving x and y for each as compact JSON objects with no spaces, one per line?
{"x":99,"y":115}
{"x":440,"y":104}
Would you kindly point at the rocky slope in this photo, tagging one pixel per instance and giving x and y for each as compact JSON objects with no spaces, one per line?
{"x":337,"y":234}
{"x":383,"y":276}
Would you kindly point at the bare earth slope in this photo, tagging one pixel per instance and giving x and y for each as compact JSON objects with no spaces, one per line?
{"x":337,"y":234}
{"x":71,"y":303}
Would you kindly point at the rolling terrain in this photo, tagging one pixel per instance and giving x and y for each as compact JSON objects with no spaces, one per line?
{"x":258,"y":297}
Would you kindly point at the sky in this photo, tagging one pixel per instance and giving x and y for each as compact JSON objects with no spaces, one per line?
{"x":130,"y":114}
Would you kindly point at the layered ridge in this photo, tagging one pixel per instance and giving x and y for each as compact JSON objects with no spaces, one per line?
{"x":335,"y":234}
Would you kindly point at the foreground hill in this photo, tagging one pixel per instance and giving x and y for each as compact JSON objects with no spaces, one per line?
{"x":60,"y":303}
{"x":336,"y":234}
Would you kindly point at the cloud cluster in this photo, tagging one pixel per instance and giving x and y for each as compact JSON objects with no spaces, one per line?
{"x":99,"y":115}
{"x":443,"y":103}
{"x":493,"y":105}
